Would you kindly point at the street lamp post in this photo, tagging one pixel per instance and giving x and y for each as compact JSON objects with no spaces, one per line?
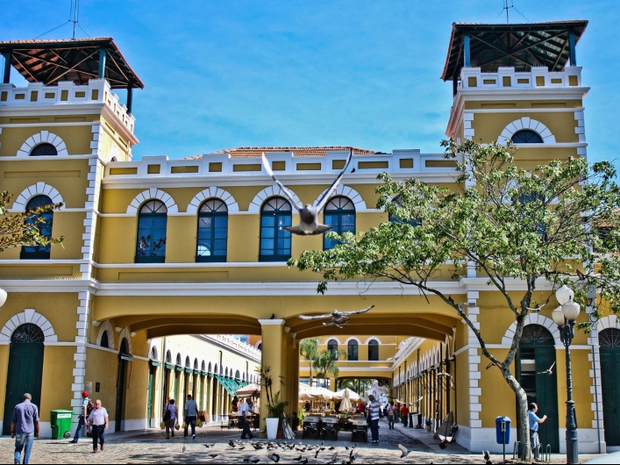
{"x":565,"y":316}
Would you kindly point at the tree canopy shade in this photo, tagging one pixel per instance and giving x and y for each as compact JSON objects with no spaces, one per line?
{"x":23,"y":228}
{"x":518,"y":228}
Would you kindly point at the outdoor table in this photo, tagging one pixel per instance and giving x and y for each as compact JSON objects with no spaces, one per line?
{"x":311,"y":426}
{"x":359,"y":430}
{"x":329,"y":427}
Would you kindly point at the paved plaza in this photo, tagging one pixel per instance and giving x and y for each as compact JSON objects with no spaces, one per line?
{"x":151,"y":446}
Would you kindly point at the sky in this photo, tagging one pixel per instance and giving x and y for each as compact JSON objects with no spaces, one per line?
{"x":220,"y":74}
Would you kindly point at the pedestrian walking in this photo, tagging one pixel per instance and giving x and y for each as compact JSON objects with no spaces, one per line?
{"x":389,"y":410}
{"x":404,"y":414}
{"x":24,"y":427}
{"x":535,"y":421}
{"x":244,"y":419}
{"x":170,"y":417}
{"x":373,"y":417}
{"x":190,"y":413}
{"x":87,"y":407}
{"x":98,"y":420}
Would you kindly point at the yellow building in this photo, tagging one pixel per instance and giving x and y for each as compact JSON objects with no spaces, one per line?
{"x":157,"y":248}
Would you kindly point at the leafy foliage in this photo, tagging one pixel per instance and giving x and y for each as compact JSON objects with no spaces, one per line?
{"x":22,"y":229}
{"x":514,"y":226}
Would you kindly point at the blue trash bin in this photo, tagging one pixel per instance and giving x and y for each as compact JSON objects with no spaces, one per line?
{"x":499,"y":431}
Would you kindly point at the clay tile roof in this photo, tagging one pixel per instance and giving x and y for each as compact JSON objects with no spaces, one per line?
{"x":250,"y":152}
{"x":521,"y":46}
{"x":52,"y":60}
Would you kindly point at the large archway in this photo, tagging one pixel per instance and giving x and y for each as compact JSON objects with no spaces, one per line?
{"x":25,"y":370}
{"x":537,"y":355}
{"x":609,"y":340}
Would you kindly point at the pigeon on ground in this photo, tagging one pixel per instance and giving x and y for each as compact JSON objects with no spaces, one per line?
{"x":404,"y":451}
{"x":487,"y":457}
{"x":208,"y":445}
{"x":308,"y":214}
{"x":183,"y":449}
{"x":274,"y":457}
{"x":232,"y":444}
{"x":338,"y":318}
{"x":213,"y":455}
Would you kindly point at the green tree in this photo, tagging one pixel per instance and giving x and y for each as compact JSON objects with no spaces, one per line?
{"x":19,"y":229}
{"x":309,"y":350}
{"x":514,"y":226}
{"x":327,"y":362}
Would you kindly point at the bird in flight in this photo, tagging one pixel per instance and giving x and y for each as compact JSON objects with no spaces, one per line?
{"x":404,"y":451}
{"x":308,"y":214}
{"x":338,"y":318}
{"x":548,"y":371}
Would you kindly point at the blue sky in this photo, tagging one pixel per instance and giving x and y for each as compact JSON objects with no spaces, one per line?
{"x":223,"y":74}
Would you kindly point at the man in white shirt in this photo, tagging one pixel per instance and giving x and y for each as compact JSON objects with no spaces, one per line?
{"x":191,"y":411}
{"x":98,"y":421}
{"x":244,"y":419}
{"x":373,"y":415}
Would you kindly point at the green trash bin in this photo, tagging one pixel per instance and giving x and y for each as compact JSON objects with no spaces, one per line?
{"x":61,"y":423}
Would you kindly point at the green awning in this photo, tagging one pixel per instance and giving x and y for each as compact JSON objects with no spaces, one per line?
{"x":230,"y":385}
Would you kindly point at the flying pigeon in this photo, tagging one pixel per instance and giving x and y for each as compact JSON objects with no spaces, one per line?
{"x":404,"y":451}
{"x":548,"y":371}
{"x":308,"y":214}
{"x":338,"y":318}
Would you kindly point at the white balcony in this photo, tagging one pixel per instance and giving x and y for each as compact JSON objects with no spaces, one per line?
{"x":66,"y":93}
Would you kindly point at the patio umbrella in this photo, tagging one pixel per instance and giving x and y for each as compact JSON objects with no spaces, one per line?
{"x":345,"y":405}
{"x":248,"y":391}
{"x":351,"y":394}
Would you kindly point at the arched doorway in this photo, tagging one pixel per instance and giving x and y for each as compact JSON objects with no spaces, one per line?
{"x":123,"y":358}
{"x":25,"y":369}
{"x":536,"y":355}
{"x":609,"y":341}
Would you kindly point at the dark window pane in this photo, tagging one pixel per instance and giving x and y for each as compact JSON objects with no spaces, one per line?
{"x":526,"y":136}
{"x":45,"y":228}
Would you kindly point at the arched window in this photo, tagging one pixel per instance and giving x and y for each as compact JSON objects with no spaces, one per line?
{"x":152,"y":222}
{"x":415,"y":222}
{"x":373,"y":350}
{"x":352,"y":350}
{"x":212,"y":231}
{"x":609,"y":338}
{"x":44,"y":149}
{"x":27,"y":333}
{"x":526,"y":136}
{"x":275,"y":242}
{"x":332,"y":346}
{"x":34,"y":252}
{"x":339,"y":213}
{"x":104,"y":340}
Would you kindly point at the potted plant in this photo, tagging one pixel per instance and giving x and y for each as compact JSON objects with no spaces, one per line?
{"x":275,"y":405}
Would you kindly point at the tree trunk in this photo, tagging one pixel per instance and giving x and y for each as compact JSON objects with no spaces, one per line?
{"x":523,"y":433}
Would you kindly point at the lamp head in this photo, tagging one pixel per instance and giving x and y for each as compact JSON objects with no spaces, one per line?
{"x":558,"y":316}
{"x":571,"y":310}
{"x":2,"y":297}
{"x":564,"y":294}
